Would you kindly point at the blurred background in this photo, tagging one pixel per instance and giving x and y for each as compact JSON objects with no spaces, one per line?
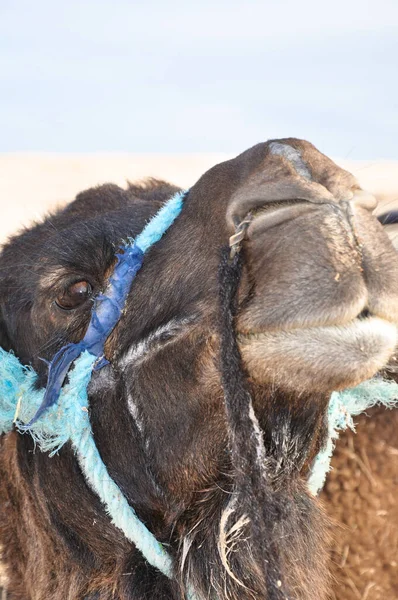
{"x":113,"y":90}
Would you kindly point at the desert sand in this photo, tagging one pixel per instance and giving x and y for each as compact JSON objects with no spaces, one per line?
{"x":33,"y":184}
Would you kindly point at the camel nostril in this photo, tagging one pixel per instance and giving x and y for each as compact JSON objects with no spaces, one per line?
{"x":276,"y":214}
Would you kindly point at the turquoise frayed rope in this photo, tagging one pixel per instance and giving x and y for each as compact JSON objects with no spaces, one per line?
{"x":59,"y":413}
{"x":343,"y":406}
{"x":68,"y":420}
{"x":66,"y":416}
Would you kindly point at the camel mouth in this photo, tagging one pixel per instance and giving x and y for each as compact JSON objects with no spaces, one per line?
{"x":322,"y":358}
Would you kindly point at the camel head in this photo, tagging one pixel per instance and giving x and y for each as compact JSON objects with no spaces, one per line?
{"x":317,"y":312}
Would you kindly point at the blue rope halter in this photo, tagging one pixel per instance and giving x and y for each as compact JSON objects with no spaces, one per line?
{"x":60,"y":412}
{"x":108,"y":306}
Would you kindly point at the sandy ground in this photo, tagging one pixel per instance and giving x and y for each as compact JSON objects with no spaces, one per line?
{"x":32,"y":184}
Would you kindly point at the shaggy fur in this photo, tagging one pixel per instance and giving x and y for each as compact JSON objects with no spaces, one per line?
{"x":238,"y":524}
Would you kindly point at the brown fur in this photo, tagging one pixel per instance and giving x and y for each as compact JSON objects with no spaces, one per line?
{"x":314,"y":275}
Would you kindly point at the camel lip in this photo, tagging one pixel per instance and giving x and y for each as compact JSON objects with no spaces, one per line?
{"x":363,"y":322}
{"x":320,"y":359}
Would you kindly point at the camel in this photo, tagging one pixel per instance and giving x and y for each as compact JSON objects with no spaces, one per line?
{"x":210,"y":406}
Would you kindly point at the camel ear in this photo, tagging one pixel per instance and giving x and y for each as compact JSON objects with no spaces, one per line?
{"x":97,"y":200}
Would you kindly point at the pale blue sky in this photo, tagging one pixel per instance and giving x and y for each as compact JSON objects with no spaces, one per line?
{"x":95,"y":75}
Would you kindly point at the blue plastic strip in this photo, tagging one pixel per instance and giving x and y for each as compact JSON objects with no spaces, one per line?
{"x":108,"y":306}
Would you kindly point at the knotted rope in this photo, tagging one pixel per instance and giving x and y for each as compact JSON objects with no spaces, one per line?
{"x":68,"y":420}
{"x":251,"y":485}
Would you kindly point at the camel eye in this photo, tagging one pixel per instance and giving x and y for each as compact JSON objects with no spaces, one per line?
{"x":75,"y":295}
